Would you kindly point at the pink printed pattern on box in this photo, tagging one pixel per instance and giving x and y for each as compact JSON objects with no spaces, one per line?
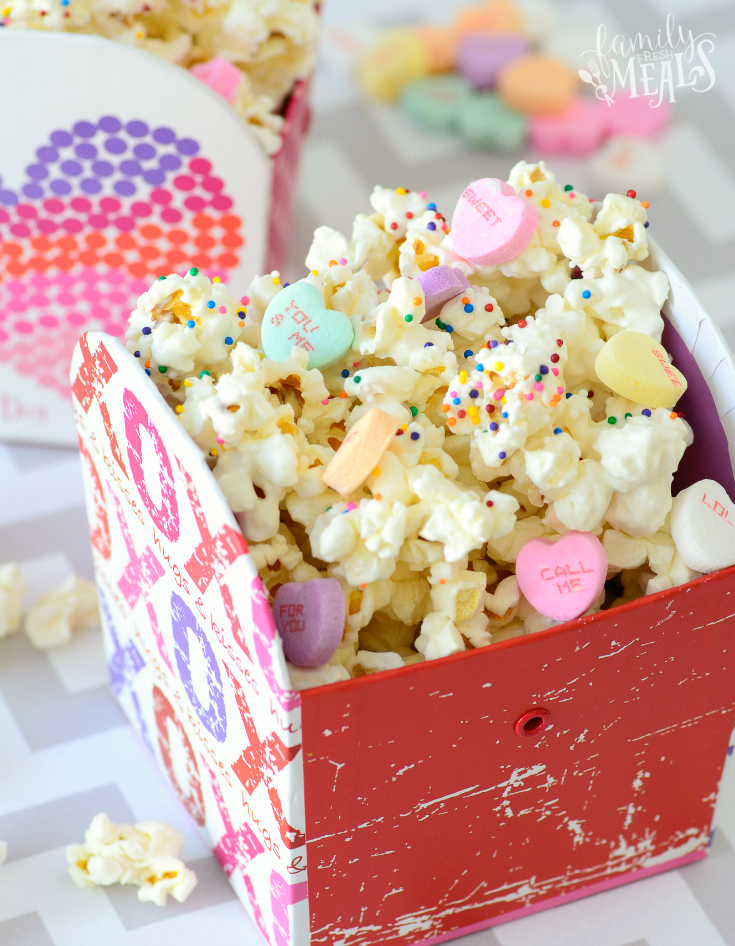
{"x":192,"y":650}
{"x":106,"y":208}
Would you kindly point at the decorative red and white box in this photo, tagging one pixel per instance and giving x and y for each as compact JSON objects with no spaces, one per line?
{"x":103,"y":187}
{"x":427,"y":802}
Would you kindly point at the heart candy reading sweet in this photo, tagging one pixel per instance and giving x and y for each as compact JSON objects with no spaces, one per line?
{"x":310,"y":618}
{"x":637,"y":367}
{"x":491,"y":224}
{"x":440,"y":284}
{"x":562,"y":579}
{"x":297,"y":316}
{"x":360,"y":451}
{"x":703,"y":527}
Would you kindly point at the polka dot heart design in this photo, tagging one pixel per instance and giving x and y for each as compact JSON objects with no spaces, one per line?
{"x":106,"y":209}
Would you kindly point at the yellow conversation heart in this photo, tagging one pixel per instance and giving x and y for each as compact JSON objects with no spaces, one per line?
{"x":637,"y":367}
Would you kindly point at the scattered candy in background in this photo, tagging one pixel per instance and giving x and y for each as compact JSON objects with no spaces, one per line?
{"x":504,"y":74}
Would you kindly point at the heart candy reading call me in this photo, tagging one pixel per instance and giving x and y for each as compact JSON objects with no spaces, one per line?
{"x":491,"y":223}
{"x":297,"y":316}
{"x":562,"y":579}
{"x":310,"y":618}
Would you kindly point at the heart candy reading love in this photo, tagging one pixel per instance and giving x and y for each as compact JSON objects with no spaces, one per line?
{"x":310,"y":618}
{"x":297,"y":316}
{"x":637,"y":367}
{"x":703,"y":527}
{"x":491,"y":223}
{"x":562,"y":579}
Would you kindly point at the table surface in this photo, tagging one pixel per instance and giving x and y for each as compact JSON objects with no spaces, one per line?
{"x":66,"y":752}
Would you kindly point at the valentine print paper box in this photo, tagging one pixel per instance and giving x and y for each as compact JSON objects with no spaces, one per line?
{"x":420,"y":803}
{"x":116,"y":167}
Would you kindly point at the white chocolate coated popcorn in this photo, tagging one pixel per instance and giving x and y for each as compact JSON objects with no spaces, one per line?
{"x":71,"y":606}
{"x":503,"y":431}
{"x":145,"y":854}
{"x":12,"y":589}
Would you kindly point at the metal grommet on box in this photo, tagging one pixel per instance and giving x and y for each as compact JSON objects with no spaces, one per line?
{"x":532,"y":723}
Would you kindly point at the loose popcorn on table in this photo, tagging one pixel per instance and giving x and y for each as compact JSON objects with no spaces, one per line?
{"x":272,"y":42}
{"x":145,"y":854}
{"x":12,"y":589}
{"x":504,"y":433}
{"x":71,"y":606}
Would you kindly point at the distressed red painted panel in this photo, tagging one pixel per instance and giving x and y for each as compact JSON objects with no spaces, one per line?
{"x":426,"y":813}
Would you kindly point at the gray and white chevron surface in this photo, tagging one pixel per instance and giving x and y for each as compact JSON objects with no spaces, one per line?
{"x":66,"y":751}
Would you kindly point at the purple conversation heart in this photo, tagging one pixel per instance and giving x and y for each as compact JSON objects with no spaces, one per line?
{"x":440,"y":284}
{"x":310,"y":618}
{"x":480,"y":58}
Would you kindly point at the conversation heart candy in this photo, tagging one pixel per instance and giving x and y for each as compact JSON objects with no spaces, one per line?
{"x":492,"y":16}
{"x":491,"y":224}
{"x":434,"y":102}
{"x":486,"y":121}
{"x":440,"y":284}
{"x":703,"y":526}
{"x":297,"y":316}
{"x":219,"y":74}
{"x":635,"y":117}
{"x":481,"y":57}
{"x":562,"y":579}
{"x":310,"y":618}
{"x":635,"y":366}
{"x":577,"y":131}
{"x":360,"y":451}
{"x":537,"y":85}
{"x":626,"y":162}
{"x":398,"y":57}
{"x":440,"y":45}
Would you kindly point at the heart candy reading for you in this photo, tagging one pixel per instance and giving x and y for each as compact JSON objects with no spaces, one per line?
{"x":637,"y":367}
{"x":297,"y":316}
{"x":703,"y":527}
{"x":310,"y":618}
{"x":562,"y":579}
{"x":491,"y":223}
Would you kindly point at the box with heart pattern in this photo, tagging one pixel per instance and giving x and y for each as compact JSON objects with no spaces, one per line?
{"x":103,"y":187}
{"x":427,"y":802}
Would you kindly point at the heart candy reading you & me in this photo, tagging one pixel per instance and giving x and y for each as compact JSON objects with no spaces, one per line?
{"x":562,"y":579}
{"x":298,"y":317}
{"x":310,"y":617}
{"x":637,"y":367}
{"x":491,"y":223}
{"x":703,"y":527}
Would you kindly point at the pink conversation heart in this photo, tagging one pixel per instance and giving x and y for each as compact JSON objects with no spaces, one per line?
{"x":577,"y":131}
{"x":562,"y":579}
{"x":220,"y":75}
{"x":310,"y":618}
{"x":634,"y":116}
{"x":491,"y":224}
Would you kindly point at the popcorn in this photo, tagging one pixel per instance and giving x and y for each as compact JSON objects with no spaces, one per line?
{"x":503,"y":431}
{"x":71,"y":606}
{"x":145,"y":854}
{"x":12,"y":589}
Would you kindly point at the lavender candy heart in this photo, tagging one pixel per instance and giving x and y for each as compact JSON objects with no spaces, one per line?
{"x":310,"y":618}
{"x":440,"y":284}
{"x":480,"y":58}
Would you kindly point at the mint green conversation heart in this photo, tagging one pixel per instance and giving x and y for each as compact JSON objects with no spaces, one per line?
{"x":297,"y":316}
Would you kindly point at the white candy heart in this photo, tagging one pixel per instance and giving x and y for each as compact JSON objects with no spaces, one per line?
{"x":703,"y":527}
